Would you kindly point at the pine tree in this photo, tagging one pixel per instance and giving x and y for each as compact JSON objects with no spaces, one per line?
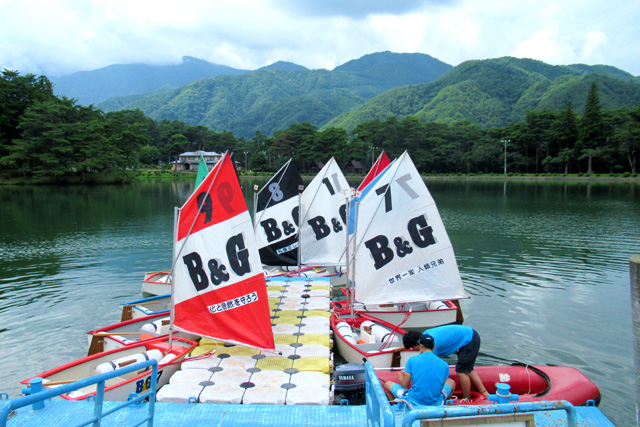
{"x":592,"y":128}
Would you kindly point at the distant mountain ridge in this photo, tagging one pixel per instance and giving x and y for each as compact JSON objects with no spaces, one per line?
{"x":270,"y":99}
{"x":92,"y":87}
{"x":489,"y":92}
{"x":496,"y":92}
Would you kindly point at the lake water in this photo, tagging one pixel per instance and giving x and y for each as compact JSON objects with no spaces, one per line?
{"x":546,"y":267}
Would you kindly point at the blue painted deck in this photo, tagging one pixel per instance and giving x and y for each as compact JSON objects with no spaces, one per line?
{"x":65,"y":413}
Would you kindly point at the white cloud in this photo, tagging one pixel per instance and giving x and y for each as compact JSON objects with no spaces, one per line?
{"x":63,"y":36}
{"x":544,"y":45}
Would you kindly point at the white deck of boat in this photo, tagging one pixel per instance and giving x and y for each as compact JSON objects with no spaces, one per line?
{"x":297,"y":373}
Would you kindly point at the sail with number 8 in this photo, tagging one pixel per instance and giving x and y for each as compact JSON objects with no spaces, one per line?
{"x":219,"y":289}
{"x":277,"y":215}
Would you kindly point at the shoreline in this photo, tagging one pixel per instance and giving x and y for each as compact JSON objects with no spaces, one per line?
{"x":157,"y":175}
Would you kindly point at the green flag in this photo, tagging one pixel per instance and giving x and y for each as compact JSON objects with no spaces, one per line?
{"x":202,"y":171}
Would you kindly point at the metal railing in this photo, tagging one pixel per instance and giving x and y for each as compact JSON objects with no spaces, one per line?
{"x":380,"y":414}
{"x":441,"y":412}
{"x":39,"y":395}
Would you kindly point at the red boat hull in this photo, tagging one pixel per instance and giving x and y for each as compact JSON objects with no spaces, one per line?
{"x":530,"y":383}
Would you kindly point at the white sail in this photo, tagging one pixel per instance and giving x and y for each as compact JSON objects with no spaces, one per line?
{"x":323,"y":217}
{"x":402,"y":250}
{"x":219,"y":289}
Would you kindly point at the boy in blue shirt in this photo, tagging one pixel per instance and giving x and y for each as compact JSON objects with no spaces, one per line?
{"x":427,"y":374}
{"x":449,"y":339}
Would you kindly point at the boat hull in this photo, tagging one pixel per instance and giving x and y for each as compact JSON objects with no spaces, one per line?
{"x":119,"y":388}
{"x":530,"y":383}
{"x":361,"y":347}
{"x":156,"y":283}
{"x":398,"y":314}
{"x":128,"y":332}
{"x":145,"y":307}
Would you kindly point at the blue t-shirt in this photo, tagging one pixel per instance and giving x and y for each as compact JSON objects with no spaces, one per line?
{"x":449,"y":338}
{"x":428,"y":374}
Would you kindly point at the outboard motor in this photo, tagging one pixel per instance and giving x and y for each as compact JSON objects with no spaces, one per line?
{"x":349,"y":383}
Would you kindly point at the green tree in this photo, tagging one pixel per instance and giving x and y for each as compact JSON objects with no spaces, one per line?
{"x":564,"y":132}
{"x":150,"y":155}
{"x":50,"y":132}
{"x":592,"y":129}
{"x":626,"y":137}
{"x":332,"y":142}
{"x":17,"y":94}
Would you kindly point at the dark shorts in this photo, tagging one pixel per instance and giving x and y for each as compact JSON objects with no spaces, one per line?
{"x":467,"y":355}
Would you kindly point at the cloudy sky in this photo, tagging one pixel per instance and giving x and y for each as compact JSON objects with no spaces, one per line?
{"x":57,"y":37}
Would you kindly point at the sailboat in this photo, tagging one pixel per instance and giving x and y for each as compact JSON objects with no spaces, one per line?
{"x":400,"y":253}
{"x":168,"y":352}
{"x":219,"y":289}
{"x":276,"y":217}
{"x":422,"y":314}
{"x":323,"y":222}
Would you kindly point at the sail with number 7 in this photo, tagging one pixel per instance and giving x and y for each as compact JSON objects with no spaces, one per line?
{"x":219,"y":289}
{"x":402,"y":252}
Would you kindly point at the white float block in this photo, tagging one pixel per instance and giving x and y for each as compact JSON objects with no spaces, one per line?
{"x":190,"y":376}
{"x":311,"y":379}
{"x":308,"y":396}
{"x":222,"y":393}
{"x":265,"y":394}
{"x":231,"y":376}
{"x":178,"y":393}
{"x":239,"y":362}
{"x":313,"y":350}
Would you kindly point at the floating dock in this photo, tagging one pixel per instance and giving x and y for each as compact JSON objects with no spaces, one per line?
{"x":298,"y":372}
{"x":377,"y":412}
{"x":241,"y":386}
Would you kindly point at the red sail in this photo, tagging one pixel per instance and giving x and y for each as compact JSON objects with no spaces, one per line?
{"x":219,"y":288}
{"x":380,"y":164}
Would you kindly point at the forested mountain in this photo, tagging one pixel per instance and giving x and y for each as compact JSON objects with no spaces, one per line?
{"x":284,"y":65}
{"x":270,"y":99}
{"x":92,"y":87}
{"x":496,"y":92}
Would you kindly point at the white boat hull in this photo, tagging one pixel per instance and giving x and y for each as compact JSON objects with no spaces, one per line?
{"x":126,"y":333}
{"x":119,"y":388}
{"x":427,"y":319}
{"x":156,"y":283}
{"x":145,"y":307}
{"x":420,"y":316}
{"x":361,"y":348}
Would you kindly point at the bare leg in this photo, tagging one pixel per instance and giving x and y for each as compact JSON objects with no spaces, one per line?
{"x":477,"y":383}
{"x":465,"y":385}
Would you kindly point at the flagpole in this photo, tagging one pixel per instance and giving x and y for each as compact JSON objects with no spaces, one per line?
{"x":347,"y":253}
{"x":176,"y":211}
{"x":299,"y":228}
{"x":352,"y":291}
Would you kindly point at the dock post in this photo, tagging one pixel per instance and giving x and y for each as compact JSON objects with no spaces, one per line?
{"x":634,"y":272}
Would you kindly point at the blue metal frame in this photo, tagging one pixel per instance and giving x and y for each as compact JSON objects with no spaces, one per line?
{"x":505,"y":408}
{"x":39,"y":395}
{"x":379,"y":413}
